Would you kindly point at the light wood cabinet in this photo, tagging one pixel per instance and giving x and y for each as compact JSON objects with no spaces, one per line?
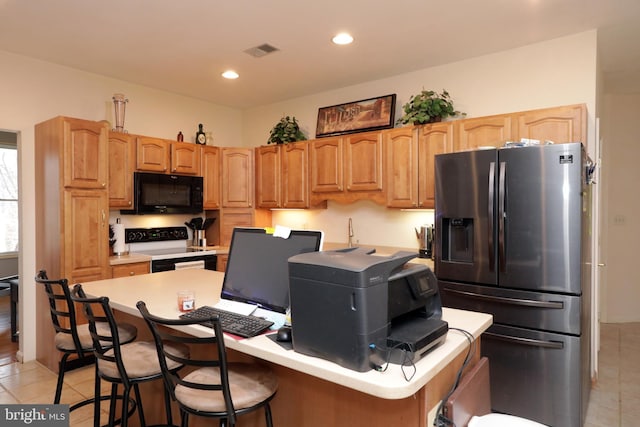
{"x":86,"y":231}
{"x":401,"y":167}
{"x":221,"y":263}
{"x":410,"y":154}
{"x":268,"y":176}
{"x":211,"y":177}
{"x":282,"y":178}
{"x":363,"y":161}
{"x":347,"y":169}
{"x":558,"y":124}
{"x":492,"y":131}
{"x":85,"y":148}
{"x":152,"y":154}
{"x":131,"y":269}
{"x":185,"y":158}
{"x":122,"y":163}
{"x":295,"y":175}
{"x":434,"y":139}
{"x":164,"y":156}
{"x":230,"y":218}
{"x":326,"y":158}
{"x":237,"y":177}
{"x":72,"y":205}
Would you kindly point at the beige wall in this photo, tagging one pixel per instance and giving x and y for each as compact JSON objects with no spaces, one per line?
{"x":620,"y":301}
{"x":553,"y":73}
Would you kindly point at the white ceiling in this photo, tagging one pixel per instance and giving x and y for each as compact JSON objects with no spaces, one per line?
{"x":183,"y":46}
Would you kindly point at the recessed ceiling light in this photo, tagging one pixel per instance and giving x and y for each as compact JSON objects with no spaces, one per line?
{"x":230,"y":74}
{"x":342,"y":38}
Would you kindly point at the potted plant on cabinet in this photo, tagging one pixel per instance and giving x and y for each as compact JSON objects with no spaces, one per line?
{"x":427,"y":107}
{"x":286,"y":130}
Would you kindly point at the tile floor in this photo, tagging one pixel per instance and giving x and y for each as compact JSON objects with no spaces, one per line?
{"x":614,"y":402}
{"x":615,"y":398}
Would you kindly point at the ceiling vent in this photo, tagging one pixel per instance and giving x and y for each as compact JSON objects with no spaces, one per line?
{"x":262,"y":50}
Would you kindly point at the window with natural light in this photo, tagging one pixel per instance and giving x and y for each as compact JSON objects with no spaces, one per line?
{"x":8,"y":195}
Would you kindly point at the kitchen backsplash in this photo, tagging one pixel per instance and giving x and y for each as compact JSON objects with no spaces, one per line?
{"x":372,"y":224}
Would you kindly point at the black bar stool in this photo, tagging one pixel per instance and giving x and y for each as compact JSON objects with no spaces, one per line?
{"x":213,"y":388}
{"x":73,"y":339}
{"x":127,"y":364}
{"x":9,"y":286}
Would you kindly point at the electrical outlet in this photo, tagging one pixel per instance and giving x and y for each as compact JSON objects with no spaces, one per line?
{"x":619,"y":220}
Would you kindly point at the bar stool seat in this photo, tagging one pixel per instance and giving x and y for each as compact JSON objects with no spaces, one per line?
{"x":250,"y":386}
{"x":64,"y":341}
{"x":140,"y":360}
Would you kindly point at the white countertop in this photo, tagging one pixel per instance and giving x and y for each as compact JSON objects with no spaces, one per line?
{"x":158,"y":290}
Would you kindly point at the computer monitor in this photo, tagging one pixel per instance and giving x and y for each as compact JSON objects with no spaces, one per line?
{"x":258,"y":270}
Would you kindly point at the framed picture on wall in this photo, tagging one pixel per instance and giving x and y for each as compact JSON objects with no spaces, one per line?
{"x":358,"y":116}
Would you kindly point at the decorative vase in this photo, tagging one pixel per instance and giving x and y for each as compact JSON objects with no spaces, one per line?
{"x":119,"y":102}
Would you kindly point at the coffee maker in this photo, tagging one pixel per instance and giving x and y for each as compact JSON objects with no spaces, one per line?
{"x":426,"y":237}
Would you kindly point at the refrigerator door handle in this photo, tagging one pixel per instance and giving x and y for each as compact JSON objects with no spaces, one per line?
{"x":501,"y":216}
{"x":491,"y":211}
{"x":557,"y":305}
{"x":558,"y":345}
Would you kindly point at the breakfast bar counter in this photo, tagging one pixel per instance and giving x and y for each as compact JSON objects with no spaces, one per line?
{"x":312,"y":391}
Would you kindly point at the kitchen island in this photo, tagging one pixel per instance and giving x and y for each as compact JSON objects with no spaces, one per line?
{"x":312,"y":391}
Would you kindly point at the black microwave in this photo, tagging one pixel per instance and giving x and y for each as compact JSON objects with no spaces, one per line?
{"x":156,"y":193}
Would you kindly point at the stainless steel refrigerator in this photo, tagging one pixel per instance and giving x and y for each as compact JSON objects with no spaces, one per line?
{"x":512,"y":239}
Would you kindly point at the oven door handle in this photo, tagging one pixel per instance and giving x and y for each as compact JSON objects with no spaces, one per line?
{"x":558,"y":345}
{"x":189,"y":265}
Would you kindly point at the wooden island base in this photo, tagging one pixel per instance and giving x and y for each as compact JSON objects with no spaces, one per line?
{"x":307,"y":401}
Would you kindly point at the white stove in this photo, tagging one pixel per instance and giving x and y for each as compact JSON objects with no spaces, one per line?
{"x":168,"y":248}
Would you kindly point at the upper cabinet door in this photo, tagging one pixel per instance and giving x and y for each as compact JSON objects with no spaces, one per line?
{"x":560,"y":124}
{"x":237,"y":177}
{"x":122,"y":155}
{"x":326,"y":157}
{"x":152,"y":154}
{"x":268,"y":176}
{"x":295,"y":175}
{"x":492,"y":131}
{"x":185,"y":158}
{"x":436,"y":138}
{"x":211,"y":177}
{"x":363,"y":158}
{"x":86,"y":153}
{"x":401,"y":167}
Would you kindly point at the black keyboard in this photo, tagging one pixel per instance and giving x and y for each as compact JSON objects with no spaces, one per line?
{"x":233,"y":323}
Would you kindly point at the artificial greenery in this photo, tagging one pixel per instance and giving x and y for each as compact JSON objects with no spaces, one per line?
{"x":428,"y":107}
{"x":286,"y":130}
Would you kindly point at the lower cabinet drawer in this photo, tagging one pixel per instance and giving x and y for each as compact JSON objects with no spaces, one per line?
{"x":132,"y":269}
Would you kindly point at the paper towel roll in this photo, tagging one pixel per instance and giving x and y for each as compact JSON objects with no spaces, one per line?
{"x":119,"y":247}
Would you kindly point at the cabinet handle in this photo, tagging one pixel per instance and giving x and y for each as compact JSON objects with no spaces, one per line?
{"x":132,"y":273}
{"x":103,"y":217}
{"x":104,"y":184}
